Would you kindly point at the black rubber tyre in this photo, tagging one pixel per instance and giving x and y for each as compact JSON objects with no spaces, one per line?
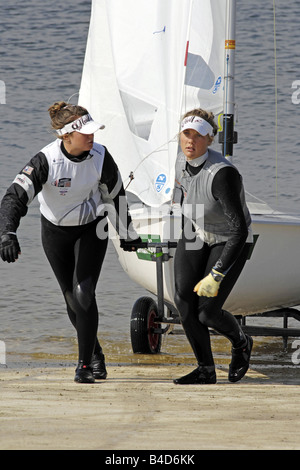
{"x":143,"y":339}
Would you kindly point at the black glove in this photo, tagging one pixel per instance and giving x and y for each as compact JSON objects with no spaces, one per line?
{"x":130,"y":245}
{"x":9,"y":247}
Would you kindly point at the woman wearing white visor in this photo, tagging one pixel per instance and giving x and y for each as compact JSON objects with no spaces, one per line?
{"x":76,"y":180}
{"x":213,"y":248}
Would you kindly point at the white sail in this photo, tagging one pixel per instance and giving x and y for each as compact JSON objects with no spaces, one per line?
{"x":146,"y":63}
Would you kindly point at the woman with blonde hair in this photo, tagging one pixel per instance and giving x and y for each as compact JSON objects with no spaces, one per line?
{"x":213,"y":248}
{"x":76,"y":181}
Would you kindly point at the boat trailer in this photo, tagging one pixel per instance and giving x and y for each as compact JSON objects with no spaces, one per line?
{"x":149,"y":322}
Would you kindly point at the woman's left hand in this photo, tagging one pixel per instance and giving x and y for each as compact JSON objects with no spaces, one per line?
{"x":209,"y":285}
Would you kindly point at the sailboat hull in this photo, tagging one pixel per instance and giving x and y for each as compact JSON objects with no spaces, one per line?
{"x":270,"y":279}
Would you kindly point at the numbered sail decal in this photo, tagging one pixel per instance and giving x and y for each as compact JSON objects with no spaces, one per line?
{"x":160,"y":182}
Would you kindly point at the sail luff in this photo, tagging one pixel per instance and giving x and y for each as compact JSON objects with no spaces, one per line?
{"x":183,"y":106}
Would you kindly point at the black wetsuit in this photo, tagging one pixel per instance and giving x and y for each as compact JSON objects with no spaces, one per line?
{"x":199,"y":313}
{"x":75,"y":253}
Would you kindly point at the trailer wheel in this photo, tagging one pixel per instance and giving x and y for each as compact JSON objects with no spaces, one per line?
{"x":143,"y":315}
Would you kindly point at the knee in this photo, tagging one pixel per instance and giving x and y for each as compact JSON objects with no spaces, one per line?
{"x":207,"y":316}
{"x":183,"y":306}
{"x":177,"y":300}
{"x":84,"y":294}
{"x":204,"y":317}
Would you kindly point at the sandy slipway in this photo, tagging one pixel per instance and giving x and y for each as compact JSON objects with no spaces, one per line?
{"x":138,"y":407}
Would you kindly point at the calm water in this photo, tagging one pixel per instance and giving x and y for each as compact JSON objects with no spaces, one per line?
{"x":41,"y":61}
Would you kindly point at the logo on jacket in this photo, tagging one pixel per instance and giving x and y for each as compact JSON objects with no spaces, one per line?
{"x":62,"y":183}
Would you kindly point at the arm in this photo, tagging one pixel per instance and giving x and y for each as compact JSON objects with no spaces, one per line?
{"x":14,"y":204}
{"x":113,"y":195}
{"x":226,"y":188}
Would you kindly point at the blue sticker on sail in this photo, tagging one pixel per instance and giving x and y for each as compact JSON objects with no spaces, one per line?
{"x":160,"y":182}
{"x":217,"y":85}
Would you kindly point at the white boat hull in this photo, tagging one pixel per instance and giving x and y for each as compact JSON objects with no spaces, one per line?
{"x":269,"y":281}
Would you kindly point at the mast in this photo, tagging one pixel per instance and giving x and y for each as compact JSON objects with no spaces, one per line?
{"x":229,"y":137}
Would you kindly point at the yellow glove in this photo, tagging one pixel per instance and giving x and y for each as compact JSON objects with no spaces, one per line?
{"x":209,"y":285}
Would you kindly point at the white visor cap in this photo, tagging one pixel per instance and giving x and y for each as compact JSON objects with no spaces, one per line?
{"x":84,"y":124}
{"x":198,"y":124}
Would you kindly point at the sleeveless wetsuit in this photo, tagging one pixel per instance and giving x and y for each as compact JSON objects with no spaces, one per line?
{"x":225,"y":250}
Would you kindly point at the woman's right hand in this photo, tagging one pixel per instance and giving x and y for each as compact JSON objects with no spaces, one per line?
{"x":9,"y":247}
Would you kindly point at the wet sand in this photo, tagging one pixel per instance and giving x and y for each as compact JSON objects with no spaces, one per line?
{"x":139,"y":408}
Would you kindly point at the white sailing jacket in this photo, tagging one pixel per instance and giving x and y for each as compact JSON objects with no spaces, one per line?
{"x":70,"y":193}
